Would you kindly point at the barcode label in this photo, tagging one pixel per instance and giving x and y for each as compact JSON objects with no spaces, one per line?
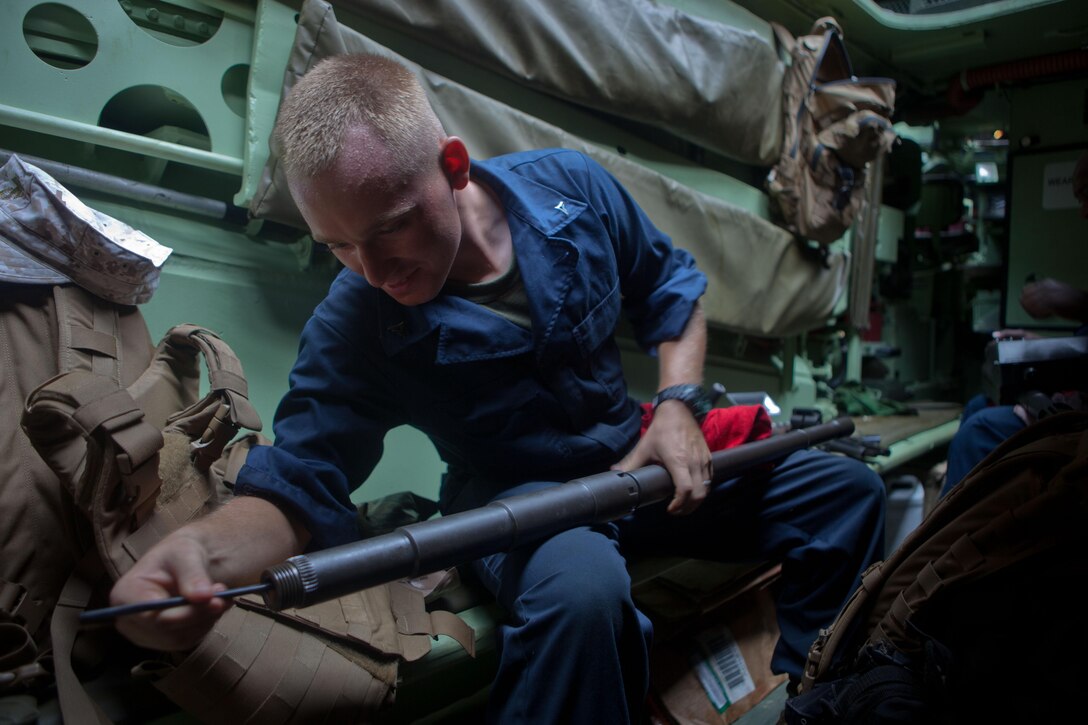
{"x":720,"y":668}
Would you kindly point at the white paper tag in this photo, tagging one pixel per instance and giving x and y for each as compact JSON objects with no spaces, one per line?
{"x":720,"y":668}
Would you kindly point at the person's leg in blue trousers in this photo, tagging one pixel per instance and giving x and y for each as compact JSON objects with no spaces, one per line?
{"x":821,"y":515}
{"x":573,"y":648}
{"x":978,"y":434}
{"x":974,"y":405}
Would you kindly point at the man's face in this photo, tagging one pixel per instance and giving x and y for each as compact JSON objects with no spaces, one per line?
{"x":400,"y":232}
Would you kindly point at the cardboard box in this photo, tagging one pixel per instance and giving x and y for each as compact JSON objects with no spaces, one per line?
{"x":716,"y":668}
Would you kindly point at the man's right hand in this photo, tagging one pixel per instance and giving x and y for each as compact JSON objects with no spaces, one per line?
{"x":176,"y":566}
{"x":229,"y":548}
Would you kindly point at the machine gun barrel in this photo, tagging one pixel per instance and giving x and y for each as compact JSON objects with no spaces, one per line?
{"x":504,"y":524}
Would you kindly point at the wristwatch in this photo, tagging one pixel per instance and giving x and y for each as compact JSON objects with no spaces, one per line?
{"x":689,"y":394}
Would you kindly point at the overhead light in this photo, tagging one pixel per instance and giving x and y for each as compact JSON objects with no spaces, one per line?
{"x":986,"y":172}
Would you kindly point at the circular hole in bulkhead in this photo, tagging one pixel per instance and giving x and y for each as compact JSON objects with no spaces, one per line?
{"x":158,"y":113}
{"x":233,"y":87}
{"x":59,"y":35}
{"x":180,"y":23}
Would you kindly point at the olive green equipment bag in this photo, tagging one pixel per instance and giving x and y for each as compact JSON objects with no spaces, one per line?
{"x":117,"y":450}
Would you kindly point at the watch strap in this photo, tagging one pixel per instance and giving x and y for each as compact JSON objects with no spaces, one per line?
{"x":693,"y":396}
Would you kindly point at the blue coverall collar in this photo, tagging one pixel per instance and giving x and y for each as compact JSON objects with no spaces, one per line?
{"x":536,"y":214}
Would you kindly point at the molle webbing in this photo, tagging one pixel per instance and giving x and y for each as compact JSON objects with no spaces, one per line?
{"x":253,"y":668}
{"x":100,"y":337}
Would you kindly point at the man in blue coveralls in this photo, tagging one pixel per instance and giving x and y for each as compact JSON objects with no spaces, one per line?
{"x":478,"y":304}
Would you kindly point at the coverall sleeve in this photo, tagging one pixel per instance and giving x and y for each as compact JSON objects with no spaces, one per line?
{"x":660,"y":282}
{"x":328,"y":430}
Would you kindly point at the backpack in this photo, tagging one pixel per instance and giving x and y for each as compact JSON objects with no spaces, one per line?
{"x":120,"y":449}
{"x":834,"y":124}
{"x":976,"y":616}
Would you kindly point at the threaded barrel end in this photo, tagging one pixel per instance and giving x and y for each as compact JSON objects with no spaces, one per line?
{"x":291,"y":583}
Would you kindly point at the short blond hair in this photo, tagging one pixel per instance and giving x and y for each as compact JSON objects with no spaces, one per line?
{"x":345,"y":91}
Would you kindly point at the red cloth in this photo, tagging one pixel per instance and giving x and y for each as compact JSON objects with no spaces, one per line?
{"x":726,"y":427}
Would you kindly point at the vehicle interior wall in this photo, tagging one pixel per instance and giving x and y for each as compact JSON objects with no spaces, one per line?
{"x":1047,"y":238}
{"x":985,"y":183}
